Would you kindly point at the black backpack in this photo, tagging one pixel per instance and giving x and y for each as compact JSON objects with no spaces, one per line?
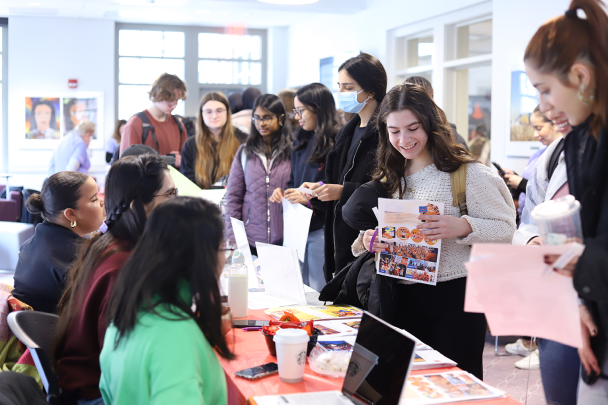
{"x":146,"y":128}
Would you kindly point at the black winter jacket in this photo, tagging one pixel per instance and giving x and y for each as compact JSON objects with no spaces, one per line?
{"x":587,"y":166}
{"x":351,"y":171}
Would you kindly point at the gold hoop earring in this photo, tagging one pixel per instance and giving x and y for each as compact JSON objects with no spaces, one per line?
{"x":581,"y":95}
{"x":73,"y":224}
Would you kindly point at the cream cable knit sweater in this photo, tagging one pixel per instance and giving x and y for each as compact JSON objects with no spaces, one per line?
{"x":491,"y":213}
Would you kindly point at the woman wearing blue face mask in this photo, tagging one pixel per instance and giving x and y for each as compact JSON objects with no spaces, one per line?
{"x":351,"y":162}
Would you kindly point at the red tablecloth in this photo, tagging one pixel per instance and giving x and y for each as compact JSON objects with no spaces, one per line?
{"x":250,"y":349}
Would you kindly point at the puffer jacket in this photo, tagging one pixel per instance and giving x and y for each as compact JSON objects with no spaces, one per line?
{"x":248,"y":197}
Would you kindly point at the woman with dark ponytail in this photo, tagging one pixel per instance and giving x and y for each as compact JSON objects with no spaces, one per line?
{"x":134,"y":187}
{"x":71,"y":209}
{"x":179,"y":269}
{"x":566,"y":62}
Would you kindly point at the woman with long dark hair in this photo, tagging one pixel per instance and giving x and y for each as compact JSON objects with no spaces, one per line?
{"x":261,"y":165}
{"x":416,"y":154}
{"x":135,"y":185}
{"x":206,"y":157}
{"x":566,"y":62}
{"x":315,"y":110}
{"x":71,"y":209}
{"x":362,"y":80}
{"x":152,"y":304}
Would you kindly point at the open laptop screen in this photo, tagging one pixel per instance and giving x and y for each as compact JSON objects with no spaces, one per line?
{"x":379,"y":364}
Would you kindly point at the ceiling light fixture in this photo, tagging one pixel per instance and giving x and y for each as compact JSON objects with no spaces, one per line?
{"x":289,"y":2}
{"x":33,"y":4}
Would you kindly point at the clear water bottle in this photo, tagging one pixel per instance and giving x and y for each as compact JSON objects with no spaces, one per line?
{"x":238,"y":285}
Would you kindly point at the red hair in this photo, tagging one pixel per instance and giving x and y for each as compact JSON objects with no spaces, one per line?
{"x":561,"y":42}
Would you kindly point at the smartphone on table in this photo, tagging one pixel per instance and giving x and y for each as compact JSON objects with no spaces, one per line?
{"x":246,"y":323}
{"x":258,"y":372}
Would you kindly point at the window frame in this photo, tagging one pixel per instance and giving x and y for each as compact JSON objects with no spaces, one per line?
{"x":191,"y":58}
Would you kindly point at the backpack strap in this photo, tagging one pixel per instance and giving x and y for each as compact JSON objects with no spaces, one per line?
{"x":179,"y":124}
{"x":458,"y":179}
{"x":146,"y":128}
{"x":243,"y":159}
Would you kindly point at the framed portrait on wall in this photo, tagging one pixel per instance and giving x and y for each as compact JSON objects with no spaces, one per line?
{"x":49,"y":117}
{"x":523,"y":99}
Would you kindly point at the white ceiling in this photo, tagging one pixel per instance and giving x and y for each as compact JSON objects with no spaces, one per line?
{"x":247,"y":13}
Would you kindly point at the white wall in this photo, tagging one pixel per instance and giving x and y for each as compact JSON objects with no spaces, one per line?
{"x":278,"y":58}
{"x":515,"y":22}
{"x":43,"y":54}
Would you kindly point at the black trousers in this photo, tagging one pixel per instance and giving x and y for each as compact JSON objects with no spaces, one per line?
{"x":435,"y":315}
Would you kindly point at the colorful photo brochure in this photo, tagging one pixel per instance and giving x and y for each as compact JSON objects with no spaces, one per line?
{"x":317,"y":313}
{"x":339,"y":327}
{"x":425,"y":359}
{"x":410,"y":256}
{"x":331,"y":343}
{"x":445,"y":388}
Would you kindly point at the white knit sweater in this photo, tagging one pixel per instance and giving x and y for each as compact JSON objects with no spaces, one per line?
{"x":490,"y":206}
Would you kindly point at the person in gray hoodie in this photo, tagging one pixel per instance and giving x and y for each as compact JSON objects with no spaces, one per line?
{"x":260,"y":166}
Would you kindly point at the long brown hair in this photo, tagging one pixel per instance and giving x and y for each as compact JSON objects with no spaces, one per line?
{"x":567,"y":39}
{"x":205,"y":154}
{"x":447,"y":154}
{"x":116,"y":134}
{"x":132,"y":182}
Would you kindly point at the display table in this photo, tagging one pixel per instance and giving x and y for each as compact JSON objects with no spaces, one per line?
{"x":250,"y":349}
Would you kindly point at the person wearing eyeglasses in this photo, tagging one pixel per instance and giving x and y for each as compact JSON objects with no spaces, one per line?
{"x":362,"y":81}
{"x":206,"y":157}
{"x":135,"y":186}
{"x":260,"y":166}
{"x":315,"y":110}
{"x":166,"y":135}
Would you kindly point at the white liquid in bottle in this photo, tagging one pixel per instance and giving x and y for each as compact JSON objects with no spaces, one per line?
{"x":238,"y":286}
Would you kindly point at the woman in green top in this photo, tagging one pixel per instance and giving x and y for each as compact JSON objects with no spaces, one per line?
{"x":166,"y":312}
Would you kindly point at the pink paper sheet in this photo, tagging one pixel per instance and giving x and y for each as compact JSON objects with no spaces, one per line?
{"x":509,"y":284}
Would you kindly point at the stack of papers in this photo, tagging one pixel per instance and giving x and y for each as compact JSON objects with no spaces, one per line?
{"x":317,"y":312}
{"x":331,"y":343}
{"x":520,"y":295}
{"x":444,"y":388}
{"x":425,"y":359}
{"x":339,"y":327}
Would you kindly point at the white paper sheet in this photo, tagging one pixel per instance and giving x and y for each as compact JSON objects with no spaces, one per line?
{"x":281,"y":272}
{"x":296,"y":223}
{"x":214,"y":196}
{"x":240,"y":236}
{"x":305,"y":190}
{"x":261,"y":300}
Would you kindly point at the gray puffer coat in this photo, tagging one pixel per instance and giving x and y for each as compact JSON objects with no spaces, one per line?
{"x":248,"y":197}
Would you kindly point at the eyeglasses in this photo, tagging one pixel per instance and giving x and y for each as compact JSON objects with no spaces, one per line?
{"x":168,"y":194}
{"x":219,"y":111}
{"x":266,"y":120}
{"x":300,"y":111}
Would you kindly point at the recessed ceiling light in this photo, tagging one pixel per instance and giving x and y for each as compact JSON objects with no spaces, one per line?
{"x":203,"y":11}
{"x":33,"y":4}
{"x":289,"y":2}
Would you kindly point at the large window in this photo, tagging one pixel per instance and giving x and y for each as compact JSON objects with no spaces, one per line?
{"x":454,"y":52}
{"x":207,"y":59}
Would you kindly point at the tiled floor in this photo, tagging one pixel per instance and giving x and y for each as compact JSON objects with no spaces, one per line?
{"x":500,"y":372}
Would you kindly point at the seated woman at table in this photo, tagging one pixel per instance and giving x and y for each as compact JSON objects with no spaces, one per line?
{"x":71,"y":209}
{"x":159,"y":347}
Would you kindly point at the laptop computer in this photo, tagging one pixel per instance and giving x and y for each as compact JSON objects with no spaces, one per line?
{"x":378,"y":368}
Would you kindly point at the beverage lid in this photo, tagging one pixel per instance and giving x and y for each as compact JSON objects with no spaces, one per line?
{"x":291,"y":336}
{"x":238,"y":257}
{"x":555,"y":209}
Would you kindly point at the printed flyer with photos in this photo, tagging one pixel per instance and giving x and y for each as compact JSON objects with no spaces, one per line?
{"x":410,"y":256}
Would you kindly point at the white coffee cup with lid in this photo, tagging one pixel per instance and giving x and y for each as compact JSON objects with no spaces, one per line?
{"x":291,"y":345}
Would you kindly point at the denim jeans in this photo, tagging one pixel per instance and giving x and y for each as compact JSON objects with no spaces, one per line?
{"x":312,"y":268}
{"x":559,"y":369}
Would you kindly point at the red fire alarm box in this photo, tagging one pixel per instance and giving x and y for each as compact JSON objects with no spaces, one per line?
{"x":72,"y":83}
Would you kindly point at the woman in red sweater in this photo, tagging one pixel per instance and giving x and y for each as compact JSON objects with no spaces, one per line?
{"x":134,"y":187}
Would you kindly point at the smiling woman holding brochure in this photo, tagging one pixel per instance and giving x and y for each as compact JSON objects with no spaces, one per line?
{"x":416,"y":155}
{"x":316,"y":112}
